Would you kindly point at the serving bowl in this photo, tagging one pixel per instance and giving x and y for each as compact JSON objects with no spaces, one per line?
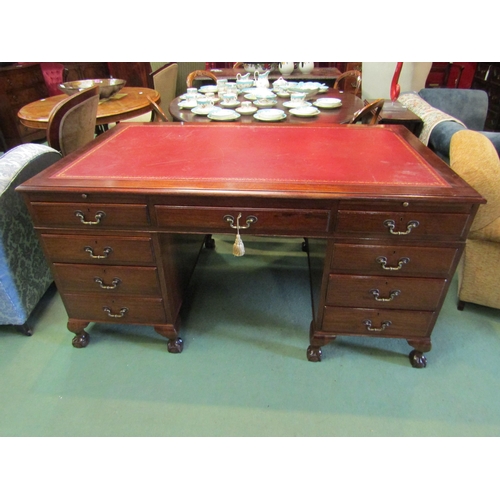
{"x":107,"y":86}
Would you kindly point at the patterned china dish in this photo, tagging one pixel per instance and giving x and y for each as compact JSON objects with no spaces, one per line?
{"x":204,"y":110}
{"x":248,"y":110}
{"x":265,"y":103}
{"x":108,"y":87}
{"x":328,"y":102}
{"x":309,"y":88}
{"x":294,"y":104}
{"x":188,"y":104}
{"x":224,"y":115}
{"x":259,"y":93}
{"x":229,"y":104}
{"x":270,"y":115}
{"x":305,"y":111}
{"x":208,"y":88}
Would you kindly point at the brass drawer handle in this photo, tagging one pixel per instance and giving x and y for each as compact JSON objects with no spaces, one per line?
{"x":383,"y":263}
{"x":392,"y":295}
{"x":251,"y":219}
{"x":389,"y":223}
{"x":122,"y":312}
{"x":383,"y":326}
{"x":105,"y":253}
{"x":114,"y":283}
{"x":238,"y":246}
{"x":98,"y":217}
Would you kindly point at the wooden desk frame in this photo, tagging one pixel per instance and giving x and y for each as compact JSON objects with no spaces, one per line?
{"x":392,"y":245}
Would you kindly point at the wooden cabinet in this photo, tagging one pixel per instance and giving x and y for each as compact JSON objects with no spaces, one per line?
{"x":487,"y":78}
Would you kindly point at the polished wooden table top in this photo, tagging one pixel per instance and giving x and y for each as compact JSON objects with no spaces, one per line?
{"x":133,"y":103}
{"x":350,"y":104}
{"x":317,"y":74}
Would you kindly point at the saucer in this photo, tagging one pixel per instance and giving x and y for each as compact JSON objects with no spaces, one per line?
{"x":328,"y":102}
{"x":209,"y":88}
{"x":246,"y":111}
{"x":186,"y":105}
{"x":305,"y":111}
{"x":198,"y":110}
{"x":223,"y":115}
{"x":232,"y":104}
{"x":265,"y":103}
{"x":270,"y":115}
{"x":290,"y":104}
{"x":196,"y":96}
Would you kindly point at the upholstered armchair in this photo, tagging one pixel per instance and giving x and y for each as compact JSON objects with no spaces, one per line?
{"x":446,"y":111}
{"x":468,"y":106}
{"x":24,"y":273}
{"x":473,"y":157}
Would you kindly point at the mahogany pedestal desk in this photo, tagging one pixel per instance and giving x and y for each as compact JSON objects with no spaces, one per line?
{"x":122,"y":221}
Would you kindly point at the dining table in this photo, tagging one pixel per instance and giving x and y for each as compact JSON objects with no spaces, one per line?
{"x":342,"y":114}
{"x":128,"y":103}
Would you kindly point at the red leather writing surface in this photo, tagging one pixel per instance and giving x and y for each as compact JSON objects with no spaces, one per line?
{"x":288,"y":154}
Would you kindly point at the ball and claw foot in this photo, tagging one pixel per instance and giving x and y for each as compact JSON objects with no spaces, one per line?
{"x":314,"y":353}
{"x":417,"y":359}
{"x":175,"y":346}
{"x":81,"y":340}
{"x":209,"y":242}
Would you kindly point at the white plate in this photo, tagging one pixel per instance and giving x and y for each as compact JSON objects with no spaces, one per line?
{"x":208,"y":88}
{"x":270,"y":115}
{"x":232,"y":104}
{"x":186,"y":105}
{"x":265,"y":103}
{"x":290,"y":104}
{"x":224,"y":115}
{"x":186,"y":96}
{"x":328,"y":102}
{"x":305,"y":111}
{"x":204,"y":111}
{"x":246,"y":111}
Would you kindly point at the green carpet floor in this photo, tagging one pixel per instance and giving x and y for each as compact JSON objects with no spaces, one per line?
{"x":244,"y":370}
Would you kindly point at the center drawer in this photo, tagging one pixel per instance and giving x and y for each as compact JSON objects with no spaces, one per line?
{"x":259,"y":221}
{"x":107,"y":279}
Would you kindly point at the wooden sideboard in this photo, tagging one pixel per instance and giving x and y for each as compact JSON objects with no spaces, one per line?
{"x":122,"y":224}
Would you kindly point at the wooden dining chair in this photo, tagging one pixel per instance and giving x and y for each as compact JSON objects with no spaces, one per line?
{"x":238,"y":65}
{"x":158,"y":114}
{"x":72,"y":122}
{"x":199,"y":72}
{"x":351,"y":82}
{"x":164,"y":81}
{"x":369,"y":114}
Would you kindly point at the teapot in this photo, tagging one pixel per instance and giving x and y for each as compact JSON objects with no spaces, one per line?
{"x":261,"y":79}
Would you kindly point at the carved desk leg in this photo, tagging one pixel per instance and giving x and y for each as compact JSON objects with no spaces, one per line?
{"x":209,"y":241}
{"x":417,"y":358}
{"x":174,"y":344}
{"x":316,"y":343}
{"x":81,"y":338}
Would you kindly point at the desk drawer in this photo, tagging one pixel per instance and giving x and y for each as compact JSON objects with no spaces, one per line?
{"x":359,"y":321}
{"x":268,"y":221}
{"x":406,"y":225}
{"x":96,"y":249}
{"x":393,"y":260}
{"x":90,"y":216}
{"x":116,"y":309}
{"x":108,"y":279}
{"x":384,"y":292}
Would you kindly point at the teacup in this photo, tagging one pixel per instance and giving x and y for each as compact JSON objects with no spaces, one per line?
{"x":297,"y":98}
{"x":205,"y":102}
{"x":231,"y":87}
{"x":229,"y":98}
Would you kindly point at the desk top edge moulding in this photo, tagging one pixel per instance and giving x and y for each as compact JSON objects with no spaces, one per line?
{"x":393,"y":215}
